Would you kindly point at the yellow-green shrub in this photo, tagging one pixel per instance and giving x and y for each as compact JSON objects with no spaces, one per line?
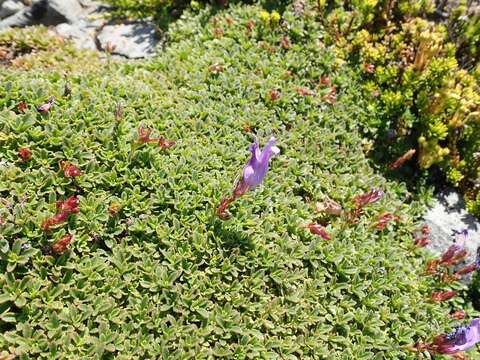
{"x":418,"y":75}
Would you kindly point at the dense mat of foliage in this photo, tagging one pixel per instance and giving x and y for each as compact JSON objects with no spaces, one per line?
{"x":40,"y":47}
{"x":151,"y":272}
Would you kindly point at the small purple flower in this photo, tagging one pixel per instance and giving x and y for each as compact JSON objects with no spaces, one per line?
{"x":463,"y":338}
{"x":257,"y":167}
{"x":253,"y":174}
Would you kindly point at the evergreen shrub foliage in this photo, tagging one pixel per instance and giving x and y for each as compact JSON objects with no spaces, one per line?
{"x":150,"y":271}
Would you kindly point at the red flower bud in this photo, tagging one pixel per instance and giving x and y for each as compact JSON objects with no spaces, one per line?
{"x":402,"y":159}
{"x":447,"y":279}
{"x":325,"y":80}
{"x":384,"y":219}
{"x":329,"y":206}
{"x":164,"y":144}
{"x":222,"y":211}
{"x":319,"y":230}
{"x":422,"y":241}
{"x":439,"y":296}
{"x":114,"y":208}
{"x":22,"y":106}
{"x":304,"y":91}
{"x":368,"y":198}
{"x":425,"y":230}
{"x":25,"y":154}
{"x":432,"y":267}
{"x":369,"y":68}
{"x":453,"y":255}
{"x":286,"y":43}
{"x":467,"y":269}
{"x":69,"y":205}
{"x":61,"y":245}
{"x":458,"y":315}
{"x":218,"y":32}
{"x":216,"y":68}
{"x":331,"y":97}
{"x":69,"y":170}
{"x":144,"y":135}
{"x":273,"y":95}
{"x":54,"y":220}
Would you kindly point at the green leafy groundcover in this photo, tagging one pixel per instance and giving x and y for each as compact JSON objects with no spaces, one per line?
{"x":151,"y":272}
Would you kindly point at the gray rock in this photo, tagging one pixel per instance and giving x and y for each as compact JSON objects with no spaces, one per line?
{"x":10,"y":7}
{"x":447,"y":214}
{"x":136,"y":40}
{"x":80,"y":33}
{"x":46,"y":12}
{"x":69,"y":10}
{"x":19,"y":19}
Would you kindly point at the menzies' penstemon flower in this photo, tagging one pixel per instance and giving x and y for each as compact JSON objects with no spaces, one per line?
{"x":257,"y":167}
{"x":317,"y":229}
{"x":61,"y":245}
{"x":253,"y":174}
{"x":456,"y":252}
{"x":439,"y":296}
{"x":70,"y":205}
{"x":144,"y":138}
{"x":384,"y":219}
{"x":463,"y":338}
{"x":474,"y":266}
{"x":361,"y":201}
{"x":64,"y":209}
{"x":45,"y":108}
{"x":368,"y":198}
{"x":69,"y":170}
{"x":25,"y":154}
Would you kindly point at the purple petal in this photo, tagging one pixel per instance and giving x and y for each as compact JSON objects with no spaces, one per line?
{"x":465,"y":337}
{"x":256,"y":153}
{"x":270,"y":150}
{"x":257,"y":167}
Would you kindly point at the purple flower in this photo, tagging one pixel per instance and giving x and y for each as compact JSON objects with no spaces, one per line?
{"x":368,"y":198}
{"x":253,"y":174}
{"x":455,"y":252}
{"x":463,"y":338}
{"x":256,"y":168}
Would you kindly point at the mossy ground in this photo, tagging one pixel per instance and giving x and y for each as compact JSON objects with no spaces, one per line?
{"x":165,"y":278}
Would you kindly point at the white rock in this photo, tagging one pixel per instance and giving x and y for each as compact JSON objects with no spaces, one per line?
{"x":448,"y":213}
